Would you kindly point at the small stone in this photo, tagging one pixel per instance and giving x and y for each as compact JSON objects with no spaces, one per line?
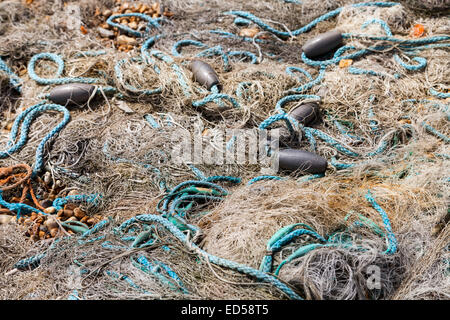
{"x":51,"y":223}
{"x":106,"y":13}
{"x":133,"y":25}
{"x":77,"y":212}
{"x":5,"y":219}
{"x":68,"y":213}
{"x":50,"y":210}
{"x":142,"y":8}
{"x":72,"y":219}
{"x":155,"y":7}
{"x":73,"y":193}
{"x":344,"y":63}
{"x":105,"y":33}
{"x":47,"y":178}
{"x":124,"y":6}
{"x":70,"y":206}
{"x":46,"y":203}
{"x":125,"y":40}
{"x":9,"y":126}
{"x":54,"y":232}
{"x":248,"y":32}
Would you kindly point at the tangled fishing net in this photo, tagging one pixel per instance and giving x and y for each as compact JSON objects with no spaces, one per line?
{"x":129,"y":222}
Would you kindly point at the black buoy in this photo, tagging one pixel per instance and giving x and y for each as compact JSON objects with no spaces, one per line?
{"x":204,"y":74}
{"x":72,"y":94}
{"x":306,"y":114}
{"x":322,"y":43}
{"x":304,"y":161}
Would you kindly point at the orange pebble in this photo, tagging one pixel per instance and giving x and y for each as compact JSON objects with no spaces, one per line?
{"x":418,"y":30}
{"x":344,"y":63}
{"x":83,"y":30}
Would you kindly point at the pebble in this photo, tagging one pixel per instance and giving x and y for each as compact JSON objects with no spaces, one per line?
{"x":5,"y":219}
{"x":248,"y":32}
{"x":133,"y":25}
{"x":50,"y":210}
{"x":84,"y":219}
{"x":73,"y":192}
{"x":54,"y":232}
{"x":105,"y":33}
{"x":47,"y":178}
{"x":107,"y":13}
{"x":46,"y":203}
{"x":51,"y":223}
{"x":77,"y":212}
{"x":123,"y":39}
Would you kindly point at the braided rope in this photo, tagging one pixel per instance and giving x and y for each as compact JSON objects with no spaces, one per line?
{"x":56,"y":80}
{"x":260,"y":178}
{"x":94,"y":198}
{"x":26,"y":118}
{"x":392,"y":241}
{"x":152,"y":23}
{"x":264,"y":277}
{"x":14,"y":80}
{"x":309,"y":26}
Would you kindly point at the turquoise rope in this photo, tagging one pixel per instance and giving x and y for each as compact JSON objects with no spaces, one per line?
{"x":261,"y":276}
{"x":392,"y":241}
{"x":14,"y":79}
{"x":93,"y":199}
{"x":309,"y":26}
{"x":261,"y":178}
{"x":24,"y":120}
{"x":152,"y":23}
{"x":56,"y":80}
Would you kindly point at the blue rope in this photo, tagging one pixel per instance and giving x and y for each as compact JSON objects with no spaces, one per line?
{"x":25,"y":119}
{"x":14,"y":79}
{"x":309,"y":26}
{"x":422,"y":63}
{"x":261,"y":276}
{"x":20,"y":208}
{"x":152,"y":23}
{"x":438,"y":94}
{"x":56,"y":80}
{"x":435,"y":132}
{"x":93,"y":199}
{"x":225,"y":34}
{"x":260,"y":178}
{"x":392,"y":241}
